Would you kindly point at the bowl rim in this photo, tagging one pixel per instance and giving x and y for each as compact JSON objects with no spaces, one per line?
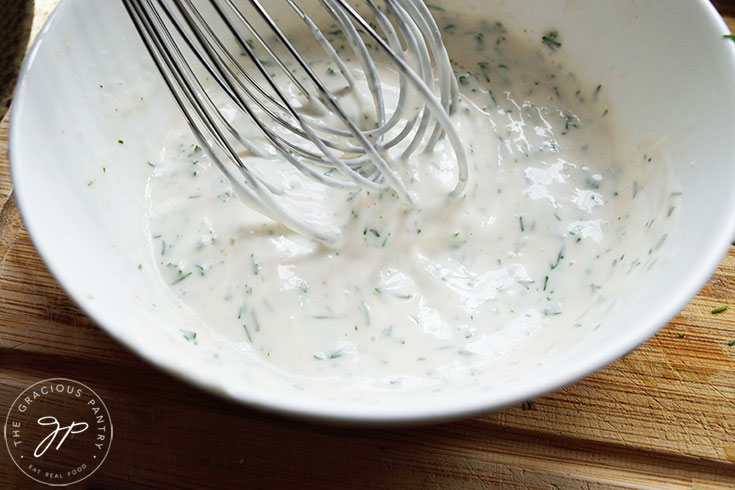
{"x":431,"y":413}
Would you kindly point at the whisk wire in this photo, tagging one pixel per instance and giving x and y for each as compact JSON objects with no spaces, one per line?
{"x":200,"y":121}
{"x":326,"y":145}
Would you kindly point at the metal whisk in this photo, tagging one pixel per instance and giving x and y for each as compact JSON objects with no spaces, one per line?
{"x":217,"y":55}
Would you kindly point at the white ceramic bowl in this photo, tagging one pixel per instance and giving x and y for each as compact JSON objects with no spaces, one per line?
{"x":665,"y":66}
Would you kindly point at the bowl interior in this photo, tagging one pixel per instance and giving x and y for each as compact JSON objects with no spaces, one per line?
{"x":90,"y":113}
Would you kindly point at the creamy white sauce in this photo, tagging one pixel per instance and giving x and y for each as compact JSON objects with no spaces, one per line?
{"x":555,"y":220}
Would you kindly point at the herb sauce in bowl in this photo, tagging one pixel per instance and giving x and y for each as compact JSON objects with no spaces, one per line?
{"x":555,"y":222}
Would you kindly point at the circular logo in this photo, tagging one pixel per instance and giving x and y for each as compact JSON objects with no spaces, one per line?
{"x":58,"y":431}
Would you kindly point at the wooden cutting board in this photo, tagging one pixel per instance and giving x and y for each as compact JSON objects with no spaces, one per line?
{"x":663,"y":417}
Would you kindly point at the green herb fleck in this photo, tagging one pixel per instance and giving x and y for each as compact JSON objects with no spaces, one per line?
{"x":121,"y":142}
{"x":256,"y":265}
{"x":181,"y":278}
{"x":570,"y":122}
{"x":190,"y":335}
{"x":558,"y":259}
{"x":255,"y":320}
{"x":140,"y":267}
{"x":551,"y":40}
{"x":681,"y":335}
{"x":485,"y":68}
{"x":719,"y":310}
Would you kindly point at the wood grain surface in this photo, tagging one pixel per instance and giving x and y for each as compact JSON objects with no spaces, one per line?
{"x":663,"y":417}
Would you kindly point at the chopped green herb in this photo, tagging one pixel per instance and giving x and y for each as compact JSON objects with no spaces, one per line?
{"x":551,"y":40}
{"x":485,"y":68}
{"x":140,"y":267}
{"x":255,"y":320}
{"x":181,"y":278}
{"x":731,"y":343}
{"x":719,"y":310}
{"x":558,"y":259}
{"x":681,"y":335}
{"x":189,"y":335}
{"x":256,"y":265}
{"x":121,"y":142}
